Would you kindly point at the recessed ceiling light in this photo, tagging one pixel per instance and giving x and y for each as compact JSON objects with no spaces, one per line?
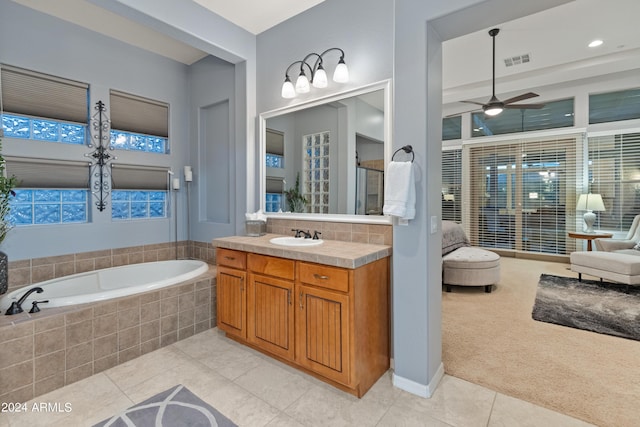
{"x":596,"y":43}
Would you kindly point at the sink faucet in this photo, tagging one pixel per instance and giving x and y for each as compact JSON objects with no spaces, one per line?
{"x":298,"y":232}
{"x":316,"y":234}
{"x":306,"y":234}
{"x":16,"y":306}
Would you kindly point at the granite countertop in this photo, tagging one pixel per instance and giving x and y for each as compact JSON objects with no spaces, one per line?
{"x":331,"y":252}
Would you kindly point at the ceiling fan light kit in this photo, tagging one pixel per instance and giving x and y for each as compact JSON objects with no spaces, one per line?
{"x":494,"y":106}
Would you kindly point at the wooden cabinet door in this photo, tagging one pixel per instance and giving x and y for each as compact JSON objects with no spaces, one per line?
{"x":231,"y":301}
{"x":322,"y":327}
{"x":270,"y":315}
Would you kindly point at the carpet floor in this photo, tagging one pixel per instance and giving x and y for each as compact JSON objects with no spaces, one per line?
{"x":492,"y":340}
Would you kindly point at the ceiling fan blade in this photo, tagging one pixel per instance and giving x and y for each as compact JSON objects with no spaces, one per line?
{"x":462,"y":112}
{"x":524,"y":106}
{"x":473,"y":102}
{"x":520,"y":97}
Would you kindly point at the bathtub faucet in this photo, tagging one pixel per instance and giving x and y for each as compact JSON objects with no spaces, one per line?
{"x":16,"y":306}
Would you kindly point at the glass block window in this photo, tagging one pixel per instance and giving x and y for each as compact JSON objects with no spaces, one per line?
{"x":275,"y":161}
{"x":557,"y":114}
{"x":315,"y":187}
{"x":137,"y":142}
{"x":273,"y":202}
{"x":24,"y":127}
{"x":451,"y":128}
{"x":134,"y":204}
{"x":614,"y":106}
{"x":48,"y":206}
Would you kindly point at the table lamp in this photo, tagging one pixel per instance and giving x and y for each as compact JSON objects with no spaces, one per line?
{"x":590,"y":202}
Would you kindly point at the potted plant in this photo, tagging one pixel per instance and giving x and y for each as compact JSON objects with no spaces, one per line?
{"x":6,"y":192}
{"x":296,"y":201}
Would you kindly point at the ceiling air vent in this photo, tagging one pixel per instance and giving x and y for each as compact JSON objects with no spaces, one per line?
{"x":517,"y":60}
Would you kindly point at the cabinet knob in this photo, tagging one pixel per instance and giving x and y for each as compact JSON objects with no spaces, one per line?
{"x":320,"y":276}
{"x":230,"y":258}
{"x":301,"y":304}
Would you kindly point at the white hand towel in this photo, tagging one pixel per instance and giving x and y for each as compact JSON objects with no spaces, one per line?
{"x":400,"y":191}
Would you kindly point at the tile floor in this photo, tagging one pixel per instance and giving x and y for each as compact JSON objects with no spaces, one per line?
{"x":254,"y":390}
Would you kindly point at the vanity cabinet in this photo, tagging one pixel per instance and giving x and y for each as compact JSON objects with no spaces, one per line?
{"x":231,"y":299}
{"x":329,"y":321}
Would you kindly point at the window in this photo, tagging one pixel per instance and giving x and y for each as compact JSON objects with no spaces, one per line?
{"x":24,"y":127}
{"x":614,"y":106}
{"x":132,"y":204}
{"x":274,"y":190}
{"x":554,"y":115}
{"x":316,"y":171}
{"x":452,"y":185}
{"x":138,"y":123}
{"x":451,"y":128}
{"x":614,"y":173}
{"x":275,"y":161}
{"x":522,"y":194}
{"x":139,"y":192}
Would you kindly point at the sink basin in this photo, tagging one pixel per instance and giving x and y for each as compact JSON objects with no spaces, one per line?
{"x":295,"y":241}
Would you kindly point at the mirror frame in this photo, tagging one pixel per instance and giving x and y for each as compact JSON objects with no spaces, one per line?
{"x":388,"y":146}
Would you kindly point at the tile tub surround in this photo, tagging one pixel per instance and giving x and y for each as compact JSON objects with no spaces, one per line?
{"x":29,"y":271}
{"x":44,"y":351}
{"x":377,"y":234}
{"x":331,"y":252}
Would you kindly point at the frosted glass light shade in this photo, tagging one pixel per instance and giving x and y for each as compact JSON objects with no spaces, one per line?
{"x":320,"y":78}
{"x":288,"y":91}
{"x":341,"y":73}
{"x":493,"y":111}
{"x":302,"y":84}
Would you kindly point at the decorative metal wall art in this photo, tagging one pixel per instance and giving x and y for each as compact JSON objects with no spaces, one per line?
{"x":100,"y":163}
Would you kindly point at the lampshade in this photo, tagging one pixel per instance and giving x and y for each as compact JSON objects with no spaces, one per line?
{"x":341,"y":73}
{"x":590,"y":202}
{"x":288,"y":91}
{"x":320,"y":78}
{"x":302,"y":84}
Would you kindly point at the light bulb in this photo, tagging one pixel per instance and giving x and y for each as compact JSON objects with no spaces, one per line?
{"x":341,"y":73}
{"x":493,"y":111}
{"x":288,"y":91}
{"x":320,"y":78}
{"x":302,"y":84}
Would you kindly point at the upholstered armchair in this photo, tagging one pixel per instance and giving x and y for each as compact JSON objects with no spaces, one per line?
{"x":631,"y":240}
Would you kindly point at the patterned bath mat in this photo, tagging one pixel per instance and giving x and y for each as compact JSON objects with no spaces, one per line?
{"x":606,"y":308}
{"x":176,"y":407}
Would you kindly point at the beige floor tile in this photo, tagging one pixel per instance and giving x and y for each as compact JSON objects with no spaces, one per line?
{"x":144,"y":367}
{"x":509,"y":411}
{"x":99,"y":412}
{"x":231,"y":363}
{"x":4,"y":421}
{"x":240,"y":406}
{"x":274,"y":385}
{"x":325,"y":406}
{"x":204,"y":344}
{"x":405,"y":417}
{"x":283,"y":420}
{"x":455,"y":401}
{"x":86,"y":398}
{"x":383,"y":391}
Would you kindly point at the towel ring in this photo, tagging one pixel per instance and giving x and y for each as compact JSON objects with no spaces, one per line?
{"x":407,"y":149}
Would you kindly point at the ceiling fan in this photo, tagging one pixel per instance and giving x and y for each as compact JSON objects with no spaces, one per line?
{"x":495,"y":106}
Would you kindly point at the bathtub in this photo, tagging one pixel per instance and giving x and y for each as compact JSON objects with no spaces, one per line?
{"x":108,"y":283}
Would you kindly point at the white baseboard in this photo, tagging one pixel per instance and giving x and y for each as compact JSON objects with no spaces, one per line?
{"x":416,"y":388}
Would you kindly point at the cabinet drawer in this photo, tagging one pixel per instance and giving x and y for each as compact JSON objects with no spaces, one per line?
{"x":324,"y":276}
{"x":229,"y":258}
{"x":272,"y":266}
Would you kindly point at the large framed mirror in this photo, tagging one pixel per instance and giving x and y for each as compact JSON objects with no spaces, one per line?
{"x":325,"y":159}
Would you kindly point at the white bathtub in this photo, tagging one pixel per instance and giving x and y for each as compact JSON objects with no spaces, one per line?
{"x":100,"y":285}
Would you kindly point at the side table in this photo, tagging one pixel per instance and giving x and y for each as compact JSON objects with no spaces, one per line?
{"x":588,"y":236}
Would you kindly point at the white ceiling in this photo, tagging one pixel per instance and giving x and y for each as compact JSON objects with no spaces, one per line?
{"x":555,"y":39}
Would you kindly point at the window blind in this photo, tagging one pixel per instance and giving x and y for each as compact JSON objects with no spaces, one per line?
{"x":522,"y":193}
{"x":45,"y":173}
{"x":452,"y":185}
{"x":137,"y":177}
{"x":275,"y":185}
{"x":36,"y":94}
{"x":137,"y":114}
{"x":614,"y":173}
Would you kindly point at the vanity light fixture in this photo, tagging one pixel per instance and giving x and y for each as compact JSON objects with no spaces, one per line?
{"x":317,"y":75}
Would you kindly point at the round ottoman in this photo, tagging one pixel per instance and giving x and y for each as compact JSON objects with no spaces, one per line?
{"x":469,"y":266}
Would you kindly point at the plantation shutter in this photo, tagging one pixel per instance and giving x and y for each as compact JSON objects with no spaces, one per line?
{"x":45,"y":173}
{"x":136,"y":114}
{"x":137,"y":177}
{"x":614,"y":165}
{"x":41,"y":95}
{"x":452,"y":185}
{"x":522,"y":194}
